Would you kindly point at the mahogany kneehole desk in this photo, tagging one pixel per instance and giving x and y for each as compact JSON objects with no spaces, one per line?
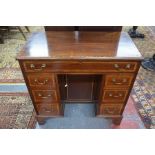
{"x":83,"y":67}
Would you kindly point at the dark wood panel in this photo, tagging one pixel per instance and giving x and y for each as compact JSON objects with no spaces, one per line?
{"x":79,"y":88}
{"x":62,"y":86}
{"x":59,"y":28}
{"x":83,"y":28}
{"x":101,"y":28}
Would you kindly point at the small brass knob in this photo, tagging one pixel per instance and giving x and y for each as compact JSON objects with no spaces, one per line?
{"x":113,"y":80}
{"x":39,"y":95}
{"x":124,"y":80}
{"x":120,"y":94}
{"x":110,"y":95}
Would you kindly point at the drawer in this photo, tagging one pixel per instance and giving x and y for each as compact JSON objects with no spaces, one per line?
{"x":109,"y":103}
{"x":114,"y":95}
{"x":118,"y":80}
{"x":37,"y":66}
{"x":110,"y":109}
{"x":48,"y":109}
{"x":44,"y":95}
{"x":79,"y":66}
{"x":38,"y":80}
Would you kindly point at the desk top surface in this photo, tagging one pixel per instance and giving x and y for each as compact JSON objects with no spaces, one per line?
{"x":72,"y":45}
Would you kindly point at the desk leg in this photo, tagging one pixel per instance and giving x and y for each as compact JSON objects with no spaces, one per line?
{"x":40,"y":120}
{"x":117,"y":121}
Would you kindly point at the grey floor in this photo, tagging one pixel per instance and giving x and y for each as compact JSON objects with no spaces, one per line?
{"x":77,"y":116}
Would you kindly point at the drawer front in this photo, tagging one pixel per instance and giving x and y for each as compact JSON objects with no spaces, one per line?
{"x":37,"y":66}
{"x":79,"y":66}
{"x":38,"y":80}
{"x":110,"y":109}
{"x":44,"y":95}
{"x":48,"y":109}
{"x":118,"y":80}
{"x":114,"y":103}
{"x":114,"y":95}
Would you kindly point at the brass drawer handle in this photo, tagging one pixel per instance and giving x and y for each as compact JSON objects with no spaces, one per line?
{"x":110,"y":111}
{"x":128,"y":66}
{"x":119,"y":83}
{"x":116,"y":66}
{"x":40,"y":95}
{"x":46,"y":110}
{"x":32,"y":66}
{"x":41,"y":83}
{"x":116,"y":96}
{"x":124,"y":80}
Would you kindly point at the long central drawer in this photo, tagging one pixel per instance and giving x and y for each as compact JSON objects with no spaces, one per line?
{"x":79,"y":66}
